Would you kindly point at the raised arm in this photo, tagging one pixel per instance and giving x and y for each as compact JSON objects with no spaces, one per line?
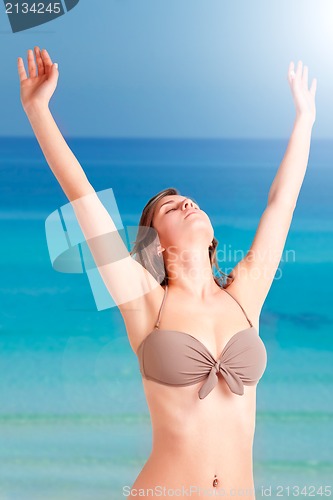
{"x":289,"y":178}
{"x":36,"y":92}
{"x":254,"y":274}
{"x":126,"y":279}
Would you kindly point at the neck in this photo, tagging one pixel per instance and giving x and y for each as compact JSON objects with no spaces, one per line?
{"x":192,"y":273}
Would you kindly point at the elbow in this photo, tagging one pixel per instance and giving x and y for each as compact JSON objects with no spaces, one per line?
{"x":78,"y":190}
{"x":282,"y":201}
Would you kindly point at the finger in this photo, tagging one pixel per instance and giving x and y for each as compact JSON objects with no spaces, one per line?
{"x":21,"y":69}
{"x":31,"y":64}
{"x":47,"y":61}
{"x":40,"y":64}
{"x":305,"y":76}
{"x":291,"y":72}
{"x":299,"y":70}
{"x":313,"y":88}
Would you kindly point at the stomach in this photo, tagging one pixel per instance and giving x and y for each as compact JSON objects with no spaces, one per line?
{"x":194,"y":440}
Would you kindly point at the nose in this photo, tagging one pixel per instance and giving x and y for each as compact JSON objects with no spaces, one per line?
{"x":188,"y":202}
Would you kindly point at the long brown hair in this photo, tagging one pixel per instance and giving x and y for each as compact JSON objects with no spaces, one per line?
{"x":149,"y":259}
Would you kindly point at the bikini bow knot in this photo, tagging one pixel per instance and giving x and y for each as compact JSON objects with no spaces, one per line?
{"x":230,"y":376}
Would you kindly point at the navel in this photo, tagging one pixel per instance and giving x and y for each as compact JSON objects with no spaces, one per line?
{"x":215,"y":481}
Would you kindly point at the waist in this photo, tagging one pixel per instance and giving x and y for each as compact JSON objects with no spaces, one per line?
{"x":213,"y":437}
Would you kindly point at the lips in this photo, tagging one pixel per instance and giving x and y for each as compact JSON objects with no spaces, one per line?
{"x":193,"y":212}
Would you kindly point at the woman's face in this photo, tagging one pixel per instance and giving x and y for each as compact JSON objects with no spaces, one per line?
{"x":178,"y":226}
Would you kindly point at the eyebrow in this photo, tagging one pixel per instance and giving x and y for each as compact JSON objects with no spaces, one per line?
{"x":170,"y":201}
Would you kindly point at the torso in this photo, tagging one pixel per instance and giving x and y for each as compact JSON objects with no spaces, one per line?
{"x":194,"y":439}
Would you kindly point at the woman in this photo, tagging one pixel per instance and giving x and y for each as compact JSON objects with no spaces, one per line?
{"x":197,"y":341}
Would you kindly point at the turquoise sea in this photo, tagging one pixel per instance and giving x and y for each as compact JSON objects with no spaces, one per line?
{"x":74,"y":423}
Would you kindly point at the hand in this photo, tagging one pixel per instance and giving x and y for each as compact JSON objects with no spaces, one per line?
{"x":304,"y":99}
{"x":37,"y":88}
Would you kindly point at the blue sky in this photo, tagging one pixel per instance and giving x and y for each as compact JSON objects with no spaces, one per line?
{"x":189,"y":68}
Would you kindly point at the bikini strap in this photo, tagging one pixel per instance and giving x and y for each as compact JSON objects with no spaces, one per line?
{"x":239,"y":305}
{"x":160,"y":311}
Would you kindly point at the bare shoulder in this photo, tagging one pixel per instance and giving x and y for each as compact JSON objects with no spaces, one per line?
{"x":140,"y":315}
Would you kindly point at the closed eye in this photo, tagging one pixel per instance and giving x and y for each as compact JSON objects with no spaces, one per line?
{"x":198,"y":208}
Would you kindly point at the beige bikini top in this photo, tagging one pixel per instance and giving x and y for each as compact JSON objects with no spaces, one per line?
{"x":175,"y":358}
